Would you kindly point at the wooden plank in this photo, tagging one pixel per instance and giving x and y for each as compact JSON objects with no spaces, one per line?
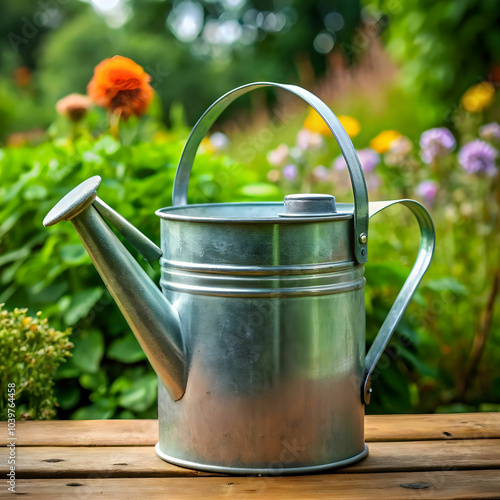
{"x":141,"y":461}
{"x":397,"y":485}
{"x":429,"y":427}
{"x":83,"y":433}
{"x":145,"y":432}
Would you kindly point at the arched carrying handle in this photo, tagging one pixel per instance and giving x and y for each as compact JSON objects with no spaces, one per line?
{"x":424,"y":256}
{"x":181,"y":182}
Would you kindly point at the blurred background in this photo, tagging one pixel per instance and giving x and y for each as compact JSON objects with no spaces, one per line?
{"x":413,"y":82}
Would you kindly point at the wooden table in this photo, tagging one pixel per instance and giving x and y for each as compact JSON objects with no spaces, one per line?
{"x":411,"y":456}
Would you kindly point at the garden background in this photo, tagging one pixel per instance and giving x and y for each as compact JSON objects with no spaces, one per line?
{"x":415,"y":84}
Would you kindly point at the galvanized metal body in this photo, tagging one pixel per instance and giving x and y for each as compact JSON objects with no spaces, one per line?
{"x":258,"y":339}
{"x":272,"y":310}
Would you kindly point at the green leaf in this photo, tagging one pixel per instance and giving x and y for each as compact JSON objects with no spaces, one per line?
{"x":107,"y":144}
{"x":81,"y":304}
{"x":120,"y":384}
{"x":489,"y":407}
{"x":424,"y":369}
{"x":68,"y":369}
{"x":100,"y":410}
{"x":455,"y":408}
{"x":390,"y":274}
{"x":67,"y":396}
{"x":9,"y":223}
{"x":88,"y":351}
{"x":73,"y":255}
{"x":141,"y":394}
{"x":261,"y":190}
{"x":93,"y":381}
{"x":126,"y":350}
{"x":447,"y":284}
{"x":127,"y":414}
{"x":35,"y":192}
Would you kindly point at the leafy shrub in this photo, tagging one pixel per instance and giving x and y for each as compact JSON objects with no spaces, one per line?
{"x":49,"y":269}
{"x":31,"y":352}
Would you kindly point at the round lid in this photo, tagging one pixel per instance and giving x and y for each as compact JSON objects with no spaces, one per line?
{"x":295,"y":208}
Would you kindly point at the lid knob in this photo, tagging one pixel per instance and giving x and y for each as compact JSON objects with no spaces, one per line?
{"x":309,"y":205}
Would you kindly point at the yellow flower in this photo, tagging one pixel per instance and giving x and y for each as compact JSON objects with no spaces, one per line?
{"x":382,"y":142}
{"x":26,"y":321}
{"x":163,"y":136}
{"x":206,"y":146}
{"x":350,"y":124}
{"x":478,"y":97}
{"x":314,"y":123}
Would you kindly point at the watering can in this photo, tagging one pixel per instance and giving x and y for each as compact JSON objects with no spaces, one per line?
{"x":258,"y":338}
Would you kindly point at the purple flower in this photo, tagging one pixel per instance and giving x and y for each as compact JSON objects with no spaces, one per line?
{"x":373,"y":182}
{"x":290,"y":171}
{"x":368,"y":158}
{"x":427,"y":190}
{"x":436,"y":142}
{"x":321,"y":172}
{"x":490,"y":131}
{"x":339,"y":163}
{"x":478,"y":156}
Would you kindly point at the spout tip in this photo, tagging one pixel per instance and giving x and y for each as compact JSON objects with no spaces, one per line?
{"x":75,"y":202}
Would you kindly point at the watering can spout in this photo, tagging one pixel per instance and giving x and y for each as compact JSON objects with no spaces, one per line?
{"x":152,"y":318}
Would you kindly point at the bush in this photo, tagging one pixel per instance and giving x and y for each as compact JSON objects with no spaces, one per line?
{"x":31,"y":352}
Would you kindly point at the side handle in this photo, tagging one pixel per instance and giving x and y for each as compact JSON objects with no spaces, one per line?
{"x":424,"y":257}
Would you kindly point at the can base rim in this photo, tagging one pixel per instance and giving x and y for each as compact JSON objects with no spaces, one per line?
{"x":272,"y":471}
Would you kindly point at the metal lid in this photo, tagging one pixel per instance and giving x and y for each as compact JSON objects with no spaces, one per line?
{"x":309,"y":205}
{"x":296,"y":209}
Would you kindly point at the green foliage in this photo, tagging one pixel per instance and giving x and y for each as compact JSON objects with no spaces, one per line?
{"x":30,"y":351}
{"x":444,"y":47}
{"x":49,"y":269}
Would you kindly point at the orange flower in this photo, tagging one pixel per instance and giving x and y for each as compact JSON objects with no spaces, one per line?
{"x":122,"y":86}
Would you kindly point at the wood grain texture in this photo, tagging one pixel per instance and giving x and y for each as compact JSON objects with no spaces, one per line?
{"x":397,"y":485}
{"x":141,"y":461}
{"x":84,"y":433}
{"x":430,"y":427}
{"x":145,"y":432}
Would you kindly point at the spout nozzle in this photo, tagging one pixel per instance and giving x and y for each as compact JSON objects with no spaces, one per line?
{"x":74,"y":203}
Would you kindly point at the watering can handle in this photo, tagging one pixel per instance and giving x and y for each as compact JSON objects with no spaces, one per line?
{"x":180,"y":189}
{"x":424,"y":256}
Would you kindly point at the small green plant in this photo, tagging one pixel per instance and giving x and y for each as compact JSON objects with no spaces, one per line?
{"x":30,"y":352}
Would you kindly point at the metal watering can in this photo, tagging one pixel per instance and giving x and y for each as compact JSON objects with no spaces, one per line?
{"x":258,"y":339}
